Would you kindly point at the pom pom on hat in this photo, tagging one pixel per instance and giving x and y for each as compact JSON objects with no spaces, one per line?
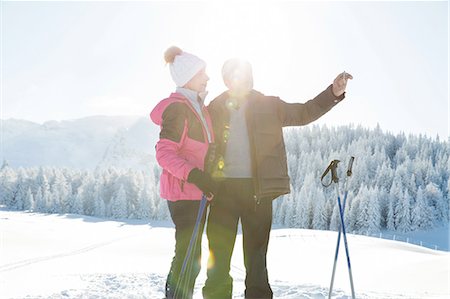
{"x":169,"y":55}
{"x":183,"y":65}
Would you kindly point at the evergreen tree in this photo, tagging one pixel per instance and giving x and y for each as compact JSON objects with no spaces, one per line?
{"x":119,"y":204}
{"x":403,"y":213}
{"x":28,"y":203}
{"x":370,"y":216}
{"x":447,"y":200}
{"x":7,"y":183}
{"x":89,"y":196}
{"x":162,"y":210}
{"x":395,"y":195}
{"x":422,"y":214}
{"x":279,"y":210}
{"x":146,"y":205}
{"x":335,"y":222}
{"x":354,"y":212}
{"x":44,"y":187}
{"x":291,"y":217}
{"x":328,"y":211}
{"x":362,"y":216}
{"x":100,"y":207}
{"x":320,"y":216}
{"x":436,"y":200}
{"x":303,"y":210}
{"x":60,"y":191}
{"x":19,"y":194}
{"x":374,"y":221}
{"x":77,"y":204}
{"x":53,"y":202}
{"x":40,"y":204}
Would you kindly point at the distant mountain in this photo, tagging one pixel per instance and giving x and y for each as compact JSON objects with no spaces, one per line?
{"x":86,"y":143}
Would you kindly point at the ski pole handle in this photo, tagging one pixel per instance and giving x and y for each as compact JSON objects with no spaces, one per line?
{"x":350,"y":165}
{"x":334,"y":177}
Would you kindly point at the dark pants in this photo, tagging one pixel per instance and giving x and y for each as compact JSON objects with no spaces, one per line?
{"x":235,"y":200}
{"x":184,"y":214}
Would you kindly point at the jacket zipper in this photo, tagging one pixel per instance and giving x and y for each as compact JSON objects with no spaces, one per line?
{"x":205,"y":134}
{"x":257,"y":201}
{"x":256,"y":196}
{"x":204,"y":126}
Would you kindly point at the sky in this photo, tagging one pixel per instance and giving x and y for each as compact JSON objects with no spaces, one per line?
{"x":68,"y":60}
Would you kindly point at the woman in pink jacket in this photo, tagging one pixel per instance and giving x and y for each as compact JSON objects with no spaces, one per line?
{"x":186,"y":133}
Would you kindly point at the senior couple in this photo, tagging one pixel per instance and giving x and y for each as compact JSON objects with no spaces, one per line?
{"x":233,"y":152}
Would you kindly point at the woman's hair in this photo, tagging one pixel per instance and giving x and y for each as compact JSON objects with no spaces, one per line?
{"x":169,"y":55}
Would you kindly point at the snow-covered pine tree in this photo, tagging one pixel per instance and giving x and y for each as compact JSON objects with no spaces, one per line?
{"x":88,"y":195}
{"x":320,"y":215}
{"x":146,"y":204}
{"x":7,"y":183}
{"x":162,"y":210}
{"x":335,"y":221}
{"x":99,"y":207}
{"x":369,"y":219}
{"x":39,"y":205}
{"x":395,"y":194}
{"x":19,"y":192}
{"x":436,"y":201}
{"x":291,"y":217}
{"x":119,"y":204}
{"x":28,"y":202}
{"x":77,"y":204}
{"x":362,"y":215}
{"x":44,"y":187}
{"x":422,"y":215}
{"x":60,"y":191}
{"x":403,"y":213}
{"x":352,"y":217}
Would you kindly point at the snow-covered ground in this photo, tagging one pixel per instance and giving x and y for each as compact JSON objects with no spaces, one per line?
{"x":71,"y":256}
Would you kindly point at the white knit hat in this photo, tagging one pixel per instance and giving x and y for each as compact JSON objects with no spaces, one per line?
{"x":183,"y":65}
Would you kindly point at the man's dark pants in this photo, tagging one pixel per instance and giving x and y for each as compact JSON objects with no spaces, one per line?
{"x":235,"y":200}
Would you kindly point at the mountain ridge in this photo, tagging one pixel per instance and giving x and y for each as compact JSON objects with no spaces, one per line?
{"x":78,"y":143}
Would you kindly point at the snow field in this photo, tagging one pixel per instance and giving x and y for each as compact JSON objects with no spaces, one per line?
{"x":71,"y":256}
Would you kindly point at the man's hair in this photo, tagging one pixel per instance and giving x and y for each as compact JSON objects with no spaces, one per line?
{"x":232,"y":65}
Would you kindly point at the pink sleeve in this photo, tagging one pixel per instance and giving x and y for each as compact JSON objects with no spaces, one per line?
{"x":168,"y":158}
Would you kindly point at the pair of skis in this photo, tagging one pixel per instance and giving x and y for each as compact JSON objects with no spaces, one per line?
{"x":332,"y":168}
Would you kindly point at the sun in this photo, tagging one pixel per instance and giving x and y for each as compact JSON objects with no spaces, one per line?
{"x":258,"y":32}
{"x":274,"y":37}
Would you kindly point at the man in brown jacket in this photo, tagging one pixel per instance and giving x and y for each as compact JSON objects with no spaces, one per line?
{"x":251,"y":167}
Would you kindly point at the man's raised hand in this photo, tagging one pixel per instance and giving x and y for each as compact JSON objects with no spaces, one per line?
{"x":340,"y":83}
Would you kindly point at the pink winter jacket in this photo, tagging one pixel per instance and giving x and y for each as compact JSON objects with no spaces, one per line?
{"x":182,"y":146}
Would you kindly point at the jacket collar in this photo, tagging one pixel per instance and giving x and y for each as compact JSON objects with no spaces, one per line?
{"x":253,"y":94}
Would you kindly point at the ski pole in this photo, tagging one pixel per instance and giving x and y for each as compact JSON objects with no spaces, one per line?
{"x":336,"y":255}
{"x":335,"y":179}
{"x":183,"y":278}
{"x":341,"y":212}
{"x":349,"y":174}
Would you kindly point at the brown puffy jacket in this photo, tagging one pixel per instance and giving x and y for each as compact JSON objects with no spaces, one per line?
{"x":266,"y":116}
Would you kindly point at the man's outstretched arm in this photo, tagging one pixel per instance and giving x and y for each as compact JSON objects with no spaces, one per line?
{"x":300,"y":114}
